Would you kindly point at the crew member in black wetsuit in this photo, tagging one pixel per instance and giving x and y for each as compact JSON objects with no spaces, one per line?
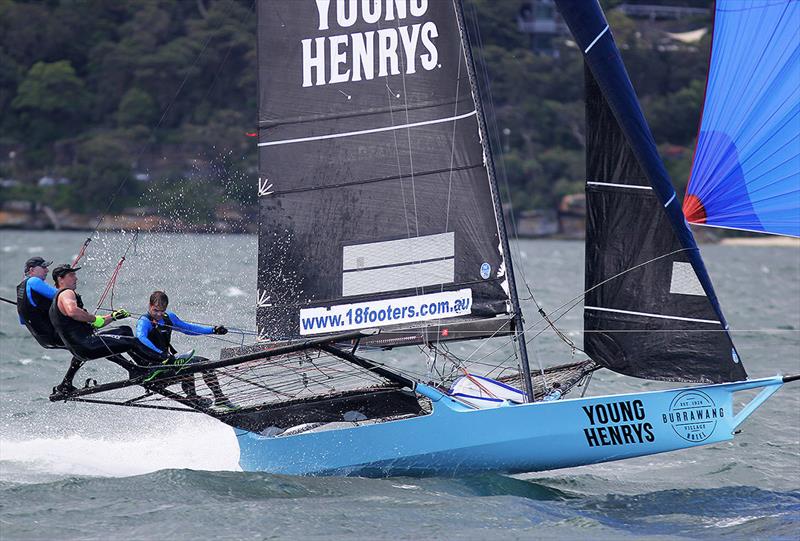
{"x":77,"y":328}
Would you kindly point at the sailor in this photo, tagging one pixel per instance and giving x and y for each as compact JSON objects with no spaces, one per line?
{"x":154,"y":331}
{"x":554,"y":394}
{"x":34,"y":297}
{"x":78,"y":329}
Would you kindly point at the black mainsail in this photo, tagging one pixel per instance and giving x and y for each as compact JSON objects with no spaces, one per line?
{"x":376,"y":205}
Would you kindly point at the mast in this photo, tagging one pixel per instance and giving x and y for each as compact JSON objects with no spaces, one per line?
{"x":519,"y":333}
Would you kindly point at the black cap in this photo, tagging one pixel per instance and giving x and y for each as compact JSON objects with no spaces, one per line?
{"x":63,"y":270}
{"x":36,"y":262}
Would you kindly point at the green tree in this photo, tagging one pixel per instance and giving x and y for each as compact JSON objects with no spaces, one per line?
{"x":137,"y":107}
{"x":10,"y":75}
{"x":51,"y":100}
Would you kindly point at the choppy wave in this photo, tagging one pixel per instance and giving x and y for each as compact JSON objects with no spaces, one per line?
{"x":184,"y":504}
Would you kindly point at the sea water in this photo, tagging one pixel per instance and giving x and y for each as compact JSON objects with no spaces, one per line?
{"x":82,"y":471}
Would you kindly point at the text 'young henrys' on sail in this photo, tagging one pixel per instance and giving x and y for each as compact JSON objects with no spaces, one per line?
{"x":376,"y":207}
{"x":363,"y":55}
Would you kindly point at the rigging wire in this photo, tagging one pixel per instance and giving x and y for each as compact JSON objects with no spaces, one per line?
{"x":400,"y":175}
{"x":112,"y":281}
{"x":235,"y":330}
{"x":211,"y":336}
{"x":150,"y":140}
{"x":504,"y":176}
{"x":575,"y":301}
{"x":491,"y":122}
{"x":81,"y":252}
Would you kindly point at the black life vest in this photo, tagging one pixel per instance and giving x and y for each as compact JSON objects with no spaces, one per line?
{"x":161,"y":335}
{"x":71,"y":331}
{"x":37,"y":316}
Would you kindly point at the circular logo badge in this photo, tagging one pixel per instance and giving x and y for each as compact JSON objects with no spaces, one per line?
{"x":486,"y":271}
{"x":693,"y":416}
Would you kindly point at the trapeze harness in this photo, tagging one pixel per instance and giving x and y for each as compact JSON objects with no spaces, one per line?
{"x":34,"y":312}
{"x":161,"y":337}
{"x":80,"y":338}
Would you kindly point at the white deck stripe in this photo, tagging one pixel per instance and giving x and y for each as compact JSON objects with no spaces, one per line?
{"x":600,"y":35}
{"x":620,"y":185}
{"x":652,"y":315}
{"x":362,"y":132}
{"x":670,"y":200}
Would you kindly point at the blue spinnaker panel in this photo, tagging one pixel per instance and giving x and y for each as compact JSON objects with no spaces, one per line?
{"x":746,"y":171}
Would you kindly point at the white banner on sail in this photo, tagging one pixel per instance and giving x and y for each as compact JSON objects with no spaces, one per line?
{"x":362,"y":315}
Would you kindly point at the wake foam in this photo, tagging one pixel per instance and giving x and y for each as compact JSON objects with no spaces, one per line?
{"x":199,"y":445}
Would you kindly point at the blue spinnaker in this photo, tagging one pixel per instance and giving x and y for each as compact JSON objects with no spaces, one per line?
{"x":746,"y":171}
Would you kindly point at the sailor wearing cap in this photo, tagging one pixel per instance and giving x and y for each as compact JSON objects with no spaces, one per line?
{"x":34,"y":297}
{"x":77,"y":327}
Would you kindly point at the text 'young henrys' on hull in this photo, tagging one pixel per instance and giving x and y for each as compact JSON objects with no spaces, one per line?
{"x":357,"y":56}
{"x":617,"y":423}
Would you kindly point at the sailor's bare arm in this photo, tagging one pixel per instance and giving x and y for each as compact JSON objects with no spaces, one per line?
{"x":68,"y":305}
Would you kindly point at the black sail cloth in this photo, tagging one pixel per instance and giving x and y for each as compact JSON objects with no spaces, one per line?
{"x":372,"y":174}
{"x":653,"y":321}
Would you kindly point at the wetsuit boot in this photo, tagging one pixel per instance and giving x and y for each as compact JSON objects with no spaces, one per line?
{"x":65,"y":388}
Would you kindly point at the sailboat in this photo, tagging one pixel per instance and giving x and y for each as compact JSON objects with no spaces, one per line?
{"x":381,"y":227}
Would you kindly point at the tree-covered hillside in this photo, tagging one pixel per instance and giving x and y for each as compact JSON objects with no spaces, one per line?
{"x":162,"y":92}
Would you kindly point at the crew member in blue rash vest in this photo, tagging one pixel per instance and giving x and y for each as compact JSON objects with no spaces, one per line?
{"x":34,"y":297}
{"x":154,"y":330}
{"x":78,"y":329}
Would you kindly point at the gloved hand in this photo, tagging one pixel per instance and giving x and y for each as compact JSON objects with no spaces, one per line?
{"x":220,"y":329}
{"x":120,"y":313}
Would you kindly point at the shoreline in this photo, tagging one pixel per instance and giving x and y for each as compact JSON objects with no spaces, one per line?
{"x":766,"y":241}
{"x":760,"y":241}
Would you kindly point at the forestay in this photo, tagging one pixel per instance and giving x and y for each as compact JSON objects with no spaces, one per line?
{"x":376,"y":206}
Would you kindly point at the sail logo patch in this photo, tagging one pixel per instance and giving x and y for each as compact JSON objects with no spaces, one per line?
{"x":693,"y":416}
{"x":357,"y":56}
{"x":617,"y":423}
{"x":486,"y":271}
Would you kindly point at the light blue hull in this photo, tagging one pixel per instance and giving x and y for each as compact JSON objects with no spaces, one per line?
{"x":454,"y":439}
